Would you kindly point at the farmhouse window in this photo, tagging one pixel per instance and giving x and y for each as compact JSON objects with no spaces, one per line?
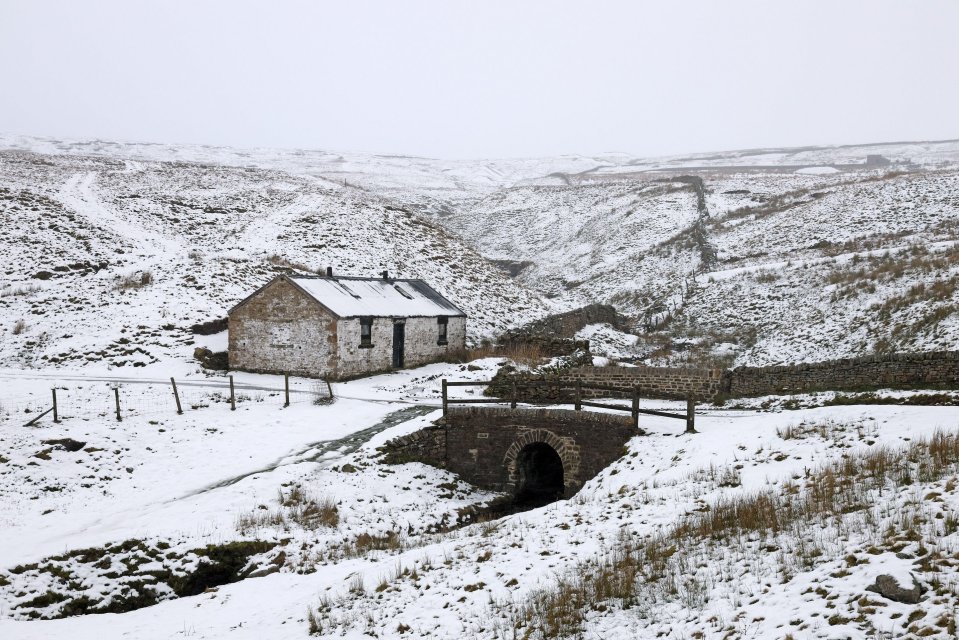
{"x":441,"y":324}
{"x":366,"y":332}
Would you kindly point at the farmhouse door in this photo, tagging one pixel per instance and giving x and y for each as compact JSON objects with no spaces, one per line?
{"x":399,"y":344}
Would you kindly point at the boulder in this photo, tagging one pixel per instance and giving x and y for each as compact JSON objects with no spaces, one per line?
{"x":888,"y":587}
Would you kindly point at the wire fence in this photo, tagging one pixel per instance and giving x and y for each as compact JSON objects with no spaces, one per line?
{"x":125,"y":398}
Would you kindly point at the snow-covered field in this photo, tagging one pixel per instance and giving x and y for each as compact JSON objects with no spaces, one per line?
{"x":112,"y":251}
{"x":178,"y":483}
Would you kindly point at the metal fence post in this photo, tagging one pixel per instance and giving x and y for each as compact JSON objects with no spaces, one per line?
{"x":233,"y":396}
{"x":56,"y":417}
{"x":286,"y":388}
{"x":444,"y":397}
{"x":636,"y":407}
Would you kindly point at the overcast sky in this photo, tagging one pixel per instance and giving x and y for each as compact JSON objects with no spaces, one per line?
{"x":482,"y":79}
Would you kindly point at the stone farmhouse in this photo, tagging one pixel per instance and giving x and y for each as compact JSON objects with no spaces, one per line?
{"x":342,"y":327}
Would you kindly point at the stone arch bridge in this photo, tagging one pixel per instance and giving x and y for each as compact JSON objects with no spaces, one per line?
{"x":538,"y":455}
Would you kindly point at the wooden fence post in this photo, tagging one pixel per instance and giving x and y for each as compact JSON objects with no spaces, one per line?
{"x":232,"y":396}
{"x":116,"y":397}
{"x":34,"y":421}
{"x":56,"y":417}
{"x":690,"y":415}
{"x":512,"y":404}
{"x":636,"y":407}
{"x":444,"y":397}
{"x":286,"y":388}
{"x":176,"y":395}
{"x":579,"y":395}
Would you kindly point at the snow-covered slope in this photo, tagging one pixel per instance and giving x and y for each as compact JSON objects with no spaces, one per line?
{"x":111,"y":251}
{"x":136,"y":506}
{"x":111,"y":261}
{"x":783,"y":266}
{"x":751,"y":257}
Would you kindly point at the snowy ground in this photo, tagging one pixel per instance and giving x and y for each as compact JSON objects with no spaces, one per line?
{"x":189,"y":480}
{"x":113,"y":251}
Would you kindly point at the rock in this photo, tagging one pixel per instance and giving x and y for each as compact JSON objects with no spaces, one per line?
{"x":66,"y":444}
{"x":216,"y":361}
{"x":265,"y":571}
{"x":888,"y":587}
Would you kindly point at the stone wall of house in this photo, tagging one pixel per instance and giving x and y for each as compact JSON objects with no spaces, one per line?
{"x":482,"y":444}
{"x":421,"y":344}
{"x":282,"y":330}
{"x":899,"y":370}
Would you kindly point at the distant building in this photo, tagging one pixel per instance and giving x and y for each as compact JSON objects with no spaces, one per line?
{"x":342,"y":327}
{"x":876,"y":160}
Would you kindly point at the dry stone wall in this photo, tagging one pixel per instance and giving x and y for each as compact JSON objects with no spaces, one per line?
{"x":938,"y":369}
{"x":652,"y":382}
{"x":899,"y":370}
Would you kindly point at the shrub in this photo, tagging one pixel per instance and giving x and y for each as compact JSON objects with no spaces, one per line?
{"x":135,"y":281}
{"x":19,"y":327}
{"x":22,"y":290}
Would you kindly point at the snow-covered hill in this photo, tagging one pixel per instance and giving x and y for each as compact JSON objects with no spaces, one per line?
{"x":275,"y":522}
{"x":111,"y":260}
{"x":750,"y":257}
{"x":771,"y":265}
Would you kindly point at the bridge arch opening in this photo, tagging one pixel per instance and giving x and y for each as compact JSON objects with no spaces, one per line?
{"x":541,"y":478}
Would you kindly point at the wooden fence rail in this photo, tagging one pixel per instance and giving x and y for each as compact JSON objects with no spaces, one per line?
{"x":578,"y":403}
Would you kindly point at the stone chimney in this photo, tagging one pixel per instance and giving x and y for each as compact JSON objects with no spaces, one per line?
{"x":386,"y":275}
{"x":329,"y":272}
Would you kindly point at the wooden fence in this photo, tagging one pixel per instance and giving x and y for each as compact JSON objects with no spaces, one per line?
{"x":578,"y":403}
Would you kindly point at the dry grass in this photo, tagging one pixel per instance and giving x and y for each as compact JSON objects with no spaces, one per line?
{"x":859,"y":245}
{"x":766,"y":277}
{"x":635,"y":572}
{"x":530,"y":355}
{"x":939,"y":290}
{"x":19,"y":327}
{"x":891,"y":266}
{"x":20,"y":290}
{"x":135,"y":281}
{"x":279,"y":261}
{"x":296,"y":507}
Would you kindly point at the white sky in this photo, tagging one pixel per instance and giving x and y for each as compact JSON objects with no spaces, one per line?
{"x":485,"y":78}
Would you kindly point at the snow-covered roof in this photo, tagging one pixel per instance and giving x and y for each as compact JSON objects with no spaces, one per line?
{"x":349,"y":297}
